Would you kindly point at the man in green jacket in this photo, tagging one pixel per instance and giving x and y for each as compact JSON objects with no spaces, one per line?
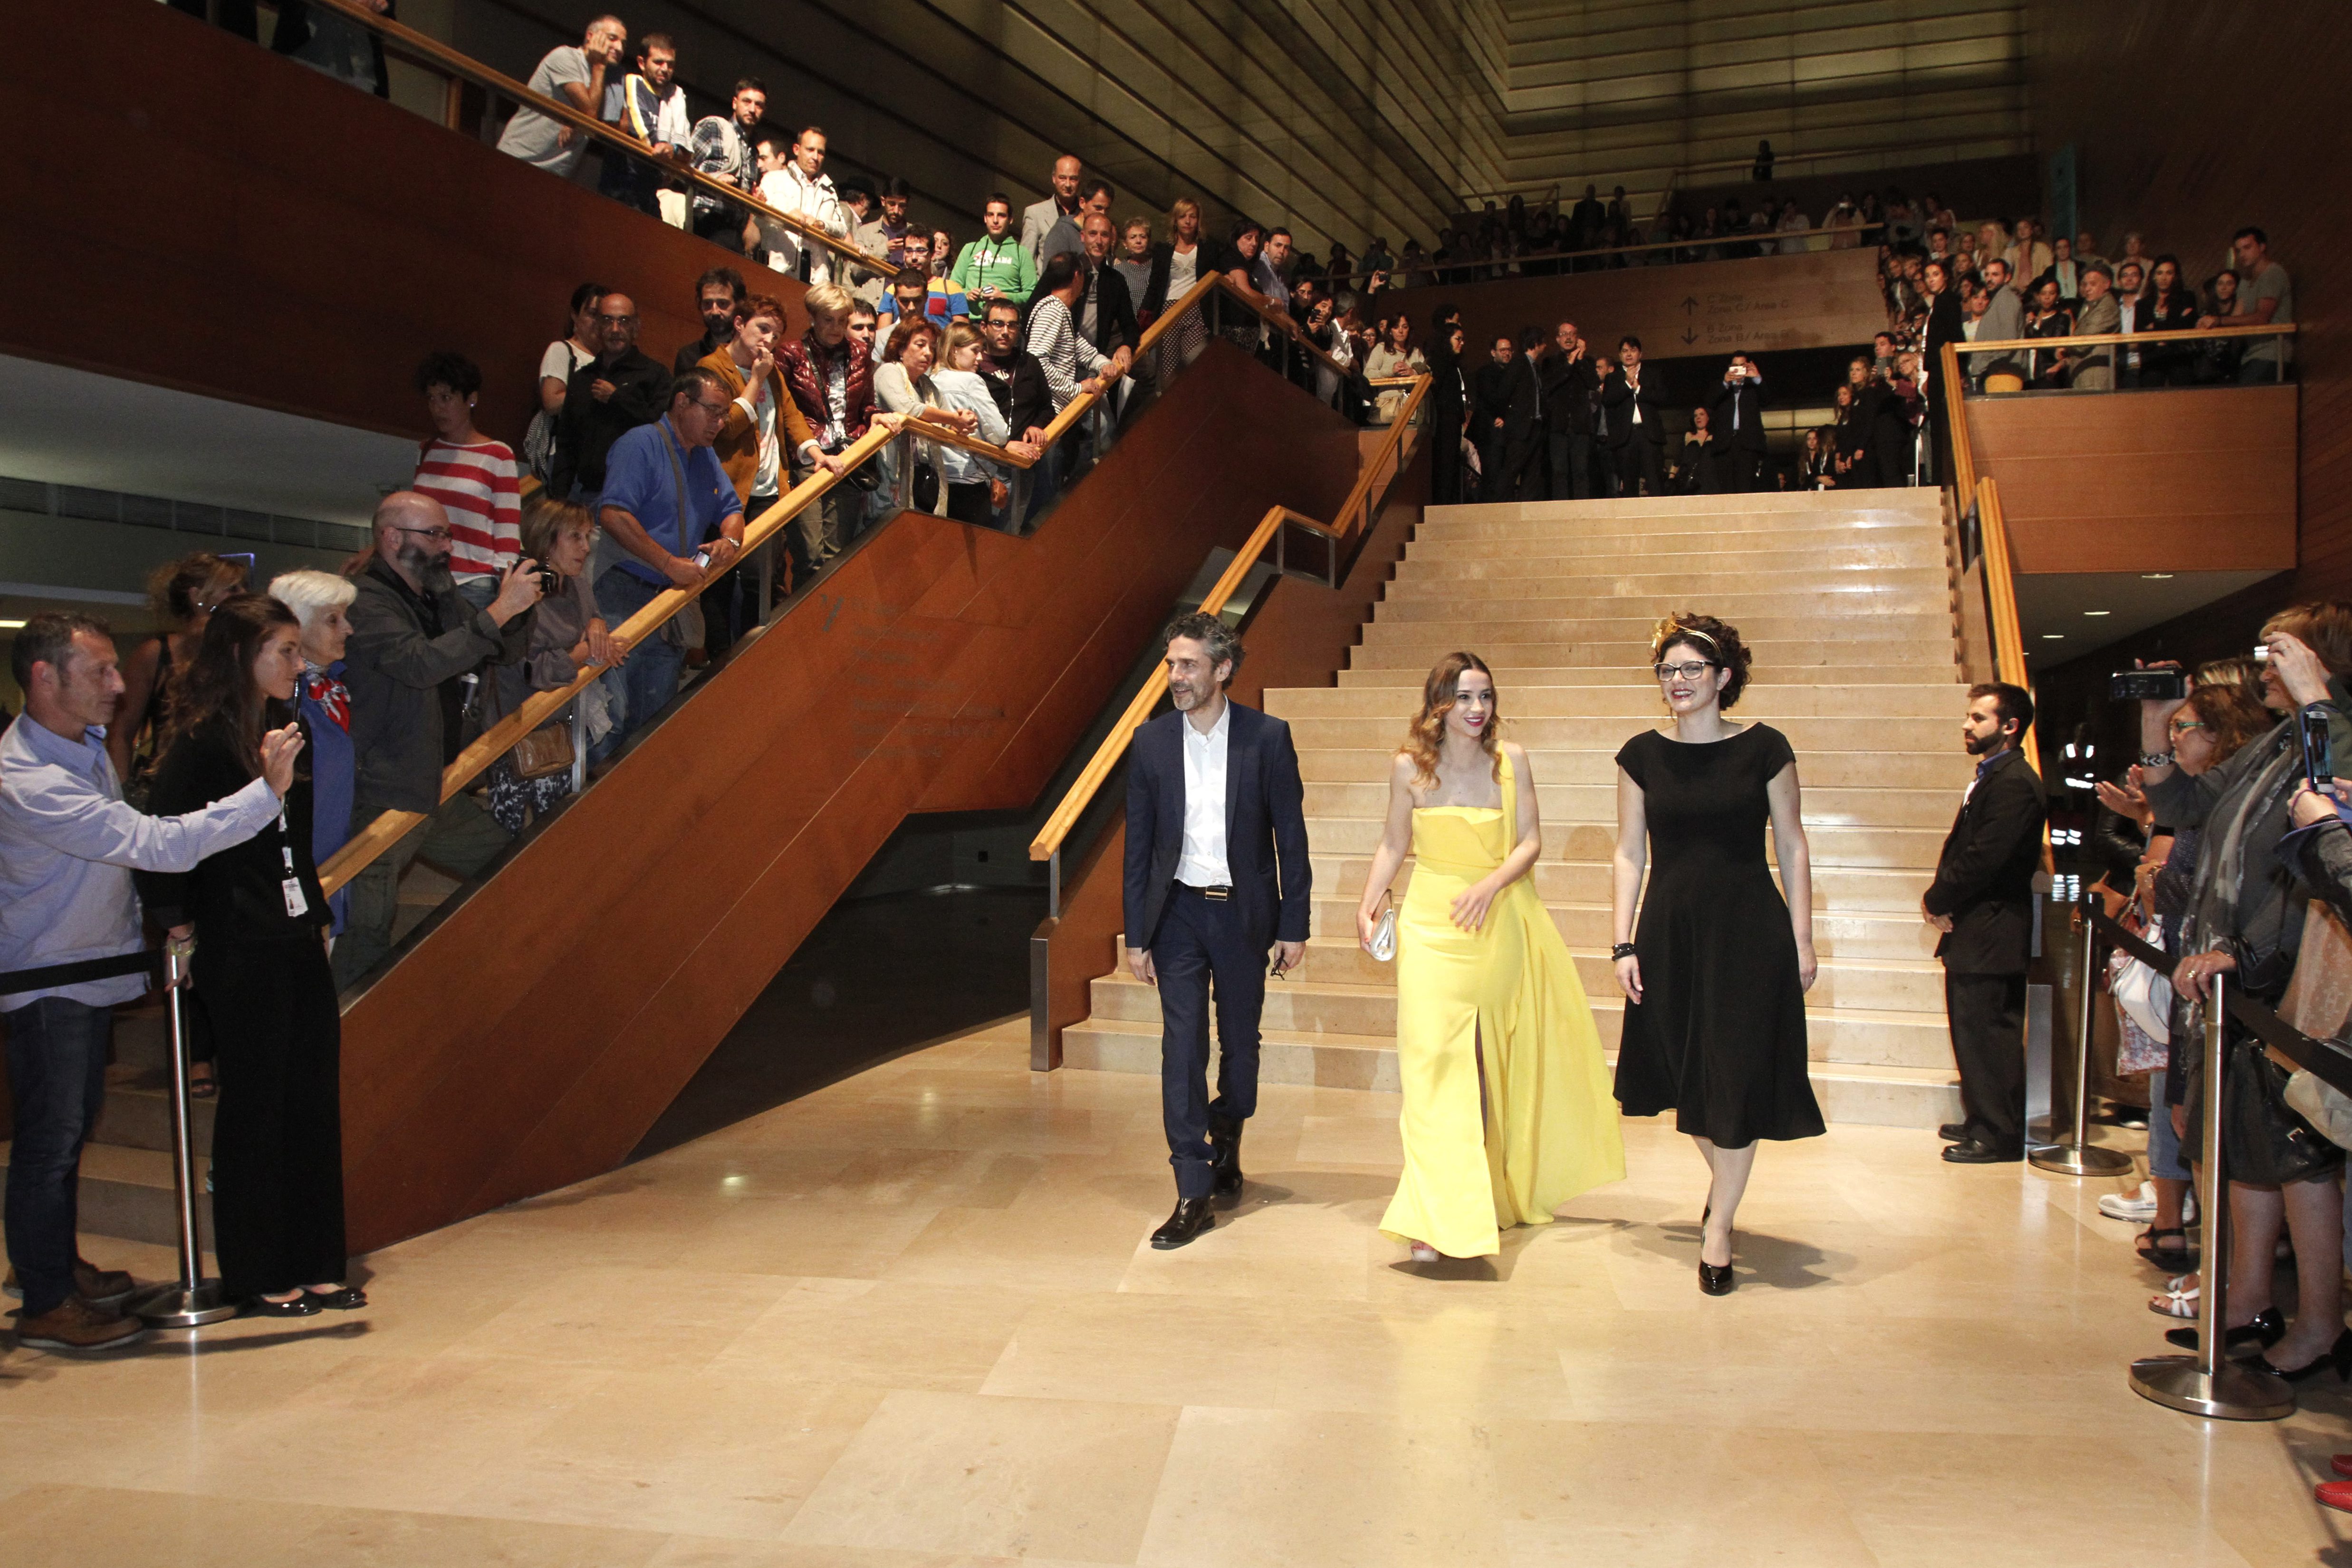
{"x":996,"y":266}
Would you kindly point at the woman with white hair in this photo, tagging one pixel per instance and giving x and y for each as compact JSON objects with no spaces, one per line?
{"x":322,"y":703}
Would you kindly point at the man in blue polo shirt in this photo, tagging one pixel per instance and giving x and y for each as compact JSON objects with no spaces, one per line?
{"x":671,"y":510}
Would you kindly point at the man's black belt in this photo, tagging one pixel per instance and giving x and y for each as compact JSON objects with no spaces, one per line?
{"x":1216,"y":895}
{"x":76,"y":973}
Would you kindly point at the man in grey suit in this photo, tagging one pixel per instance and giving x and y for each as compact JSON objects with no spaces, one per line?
{"x":2002,"y":322}
{"x":1038,"y":218}
{"x":2094,"y":368}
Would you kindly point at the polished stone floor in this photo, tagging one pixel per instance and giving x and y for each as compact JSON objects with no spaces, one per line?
{"x":909,"y":1320}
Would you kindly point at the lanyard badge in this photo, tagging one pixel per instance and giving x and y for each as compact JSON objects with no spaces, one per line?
{"x":297,"y":905}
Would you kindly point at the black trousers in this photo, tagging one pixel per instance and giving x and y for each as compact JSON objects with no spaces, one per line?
{"x":1202,"y":938}
{"x":1742,"y":471}
{"x":723,"y":227}
{"x":1988,"y":1019}
{"x":278,"y":1135}
{"x":1640,"y":460}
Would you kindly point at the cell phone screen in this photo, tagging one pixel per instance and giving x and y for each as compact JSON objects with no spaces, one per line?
{"x":2318,"y":762}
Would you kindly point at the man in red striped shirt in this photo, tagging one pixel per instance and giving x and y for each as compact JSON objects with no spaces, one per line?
{"x":471,"y":476}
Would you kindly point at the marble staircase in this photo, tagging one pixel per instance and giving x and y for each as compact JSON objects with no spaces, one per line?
{"x":1848,"y":601}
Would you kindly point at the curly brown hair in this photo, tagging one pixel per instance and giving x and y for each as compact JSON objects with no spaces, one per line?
{"x":1717,"y":641}
{"x":1426,"y":733}
{"x":2228,"y":699}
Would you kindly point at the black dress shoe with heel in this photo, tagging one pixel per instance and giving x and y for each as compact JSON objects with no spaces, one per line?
{"x":2269,"y":1325}
{"x":1715,"y":1281}
{"x":1225,"y":1159}
{"x":2339,"y":1356}
{"x":1193,"y":1217}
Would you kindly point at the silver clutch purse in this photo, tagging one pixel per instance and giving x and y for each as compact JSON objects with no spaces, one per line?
{"x":1384,"y":935}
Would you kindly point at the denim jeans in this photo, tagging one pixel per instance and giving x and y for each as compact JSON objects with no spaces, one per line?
{"x":57,"y":1076}
{"x":2164,"y":1158}
{"x":649,"y":674}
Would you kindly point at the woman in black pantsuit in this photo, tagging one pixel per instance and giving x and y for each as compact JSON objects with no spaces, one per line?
{"x":260,"y":969}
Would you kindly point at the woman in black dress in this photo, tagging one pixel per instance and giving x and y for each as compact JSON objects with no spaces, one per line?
{"x":1715,"y":974}
{"x":261,"y":970}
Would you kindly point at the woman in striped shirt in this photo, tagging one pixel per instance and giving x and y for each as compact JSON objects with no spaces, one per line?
{"x":471,"y":476}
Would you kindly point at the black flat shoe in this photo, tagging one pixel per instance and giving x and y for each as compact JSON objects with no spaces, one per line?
{"x":1715,"y":1281}
{"x":1193,"y":1217}
{"x":2169,"y":1256}
{"x":1970,"y":1152}
{"x":343,"y":1298}
{"x":2339,"y":1356}
{"x":302,"y":1306}
{"x":2268,"y":1326}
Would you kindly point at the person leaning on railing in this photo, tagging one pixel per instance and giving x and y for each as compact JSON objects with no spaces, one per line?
{"x":903,"y":382}
{"x":566,"y":634}
{"x":69,"y":844}
{"x":649,"y":107}
{"x":827,"y":370}
{"x":976,"y":488}
{"x":800,"y":186}
{"x":412,"y":640}
{"x":572,"y":74}
{"x":2245,"y":920}
{"x":763,"y":424}
{"x":2264,"y":295}
{"x":259,"y":921}
{"x":722,"y":149}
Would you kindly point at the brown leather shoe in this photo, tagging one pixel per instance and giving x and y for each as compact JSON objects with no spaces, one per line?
{"x":75,"y":1325}
{"x":105,"y":1288}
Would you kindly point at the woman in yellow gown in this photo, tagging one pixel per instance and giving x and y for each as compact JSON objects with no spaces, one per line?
{"x":1507,"y":1107}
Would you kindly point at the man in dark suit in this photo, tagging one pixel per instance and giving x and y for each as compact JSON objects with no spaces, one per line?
{"x":1983,"y":900}
{"x":1637,"y":423}
{"x":1216,"y":875}
{"x":1735,"y":415}
{"x":1569,"y":386}
{"x":1490,"y":416}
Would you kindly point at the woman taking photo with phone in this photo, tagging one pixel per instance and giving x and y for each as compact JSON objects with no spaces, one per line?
{"x":1716,"y":971}
{"x":259,"y":921}
{"x":1507,"y":1110}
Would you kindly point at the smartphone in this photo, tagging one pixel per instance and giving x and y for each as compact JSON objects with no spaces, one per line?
{"x":2318,"y":762}
{"x":702,"y":558}
{"x":2147,"y":685}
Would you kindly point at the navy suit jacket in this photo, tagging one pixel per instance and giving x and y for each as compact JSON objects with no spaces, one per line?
{"x":1984,"y":879}
{"x":1265,"y":825}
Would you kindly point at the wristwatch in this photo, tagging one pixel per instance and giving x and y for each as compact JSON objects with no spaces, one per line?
{"x":2155,"y":758}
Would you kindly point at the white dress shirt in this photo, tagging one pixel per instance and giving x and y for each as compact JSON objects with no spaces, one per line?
{"x":1203,"y":864}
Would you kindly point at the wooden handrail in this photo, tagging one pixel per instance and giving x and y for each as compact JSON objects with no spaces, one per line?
{"x":421,"y":49}
{"x":500,"y":738}
{"x":1964,"y":458}
{"x":2093,"y":339}
{"x":1082,"y":790}
{"x":2000,"y":586}
{"x":1692,"y":242}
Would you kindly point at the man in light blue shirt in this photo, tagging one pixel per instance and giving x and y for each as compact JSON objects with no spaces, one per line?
{"x":68,"y":846}
{"x":673,"y":512}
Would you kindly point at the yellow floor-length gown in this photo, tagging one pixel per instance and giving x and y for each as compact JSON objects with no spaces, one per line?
{"x":1508,"y":993}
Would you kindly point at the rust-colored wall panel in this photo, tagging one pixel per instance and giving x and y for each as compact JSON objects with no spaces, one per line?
{"x":2191,"y":480}
{"x":615,"y":949}
{"x":287,"y":240}
{"x":1820,"y":300}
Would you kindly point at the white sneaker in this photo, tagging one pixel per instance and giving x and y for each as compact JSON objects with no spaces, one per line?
{"x":2135,"y":1206}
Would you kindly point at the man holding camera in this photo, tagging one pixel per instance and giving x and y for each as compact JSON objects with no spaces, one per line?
{"x":1982,"y":901}
{"x":1736,"y":411}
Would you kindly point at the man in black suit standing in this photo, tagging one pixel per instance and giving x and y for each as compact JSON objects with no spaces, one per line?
{"x":1983,"y":900}
{"x":1637,"y":423}
{"x":1736,"y":414}
{"x":1216,"y":875}
{"x":1569,"y":386}
{"x":1490,"y":418}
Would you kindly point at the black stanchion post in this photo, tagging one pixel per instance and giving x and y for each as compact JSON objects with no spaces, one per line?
{"x":2209,"y":1383}
{"x":194,"y":1300}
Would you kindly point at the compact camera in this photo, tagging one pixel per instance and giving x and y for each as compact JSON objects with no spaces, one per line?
{"x":2168,"y":685}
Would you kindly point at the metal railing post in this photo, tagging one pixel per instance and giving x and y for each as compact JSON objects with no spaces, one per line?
{"x":580,"y":744}
{"x":194,"y":1300}
{"x":2209,"y":1383}
{"x":2075,"y":1155}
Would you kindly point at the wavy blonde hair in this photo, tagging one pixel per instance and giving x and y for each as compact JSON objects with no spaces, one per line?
{"x":1426,"y":733}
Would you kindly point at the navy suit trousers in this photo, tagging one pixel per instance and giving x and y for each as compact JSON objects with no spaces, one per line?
{"x":1200,"y":939}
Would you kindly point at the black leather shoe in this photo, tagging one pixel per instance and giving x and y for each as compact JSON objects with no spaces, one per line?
{"x":302,"y":1306}
{"x":2269,"y":1326}
{"x":1953,"y":1131}
{"x":1193,"y":1217}
{"x":1225,"y":1159}
{"x":1970,"y":1152}
{"x":1715,"y":1281}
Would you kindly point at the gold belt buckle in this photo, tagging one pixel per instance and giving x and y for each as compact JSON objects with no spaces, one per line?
{"x":1216,"y":895}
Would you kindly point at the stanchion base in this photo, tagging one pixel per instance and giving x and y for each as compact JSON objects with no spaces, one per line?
{"x":2234,"y":1392}
{"x":172,"y":1306}
{"x":2079,"y":1160}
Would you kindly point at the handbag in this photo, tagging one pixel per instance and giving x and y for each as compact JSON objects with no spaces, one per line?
{"x":545,"y":751}
{"x":2143,"y":997}
{"x":1383,"y":943}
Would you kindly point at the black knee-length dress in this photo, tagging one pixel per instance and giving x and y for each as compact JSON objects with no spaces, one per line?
{"x":1719,"y":1037}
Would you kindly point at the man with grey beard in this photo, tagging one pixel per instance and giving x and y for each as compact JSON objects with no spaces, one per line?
{"x":412,"y":643}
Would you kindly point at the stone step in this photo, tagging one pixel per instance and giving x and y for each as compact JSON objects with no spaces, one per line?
{"x":1642,"y":572}
{"x":1563,"y":804}
{"x":1729,"y":599}
{"x":1631,"y":692}
{"x":1907,"y":983}
{"x":1831,"y":845}
{"x":1558,"y":879}
{"x":1854,"y":689}
{"x":126,"y":1193}
{"x":1858,"y":736}
{"x":138,"y":1114}
{"x":1946,"y":771}
{"x":1520,"y":644}
{"x":1876,"y":1096}
{"x":1457,"y":524}
{"x":1822,"y":551}
{"x":1512,"y":621}
{"x":1764,"y":506}
{"x":1585,"y":927}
